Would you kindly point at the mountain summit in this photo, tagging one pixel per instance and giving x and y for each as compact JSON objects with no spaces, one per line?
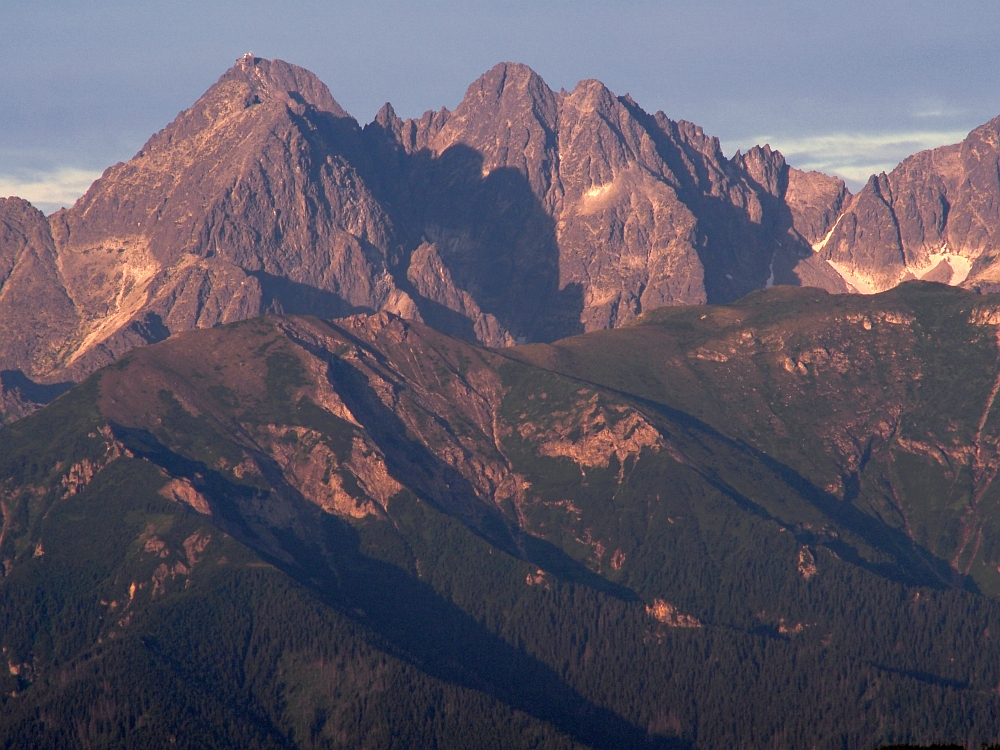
{"x":229,"y":210}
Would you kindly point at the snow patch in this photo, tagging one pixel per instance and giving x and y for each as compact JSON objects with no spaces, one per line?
{"x":857,"y":282}
{"x":956,"y":267}
{"x":959,"y":265}
{"x":822,"y":243}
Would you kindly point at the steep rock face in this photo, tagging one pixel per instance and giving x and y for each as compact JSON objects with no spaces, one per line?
{"x":525,"y":214}
{"x":934,"y":217}
{"x":246,"y":202}
{"x":816,"y":201}
{"x":625,"y":236}
{"x":240,"y":177}
{"x":35,"y":309}
{"x":595,"y":208}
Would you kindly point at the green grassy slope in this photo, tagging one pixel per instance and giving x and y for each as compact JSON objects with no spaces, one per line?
{"x":292,"y":533}
{"x":880,"y":406}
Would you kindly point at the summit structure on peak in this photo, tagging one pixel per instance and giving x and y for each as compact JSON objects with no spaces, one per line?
{"x":523,"y":215}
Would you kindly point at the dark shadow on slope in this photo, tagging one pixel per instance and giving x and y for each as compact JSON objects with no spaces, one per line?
{"x":150,"y":328}
{"x":738,"y":254}
{"x":226,"y":496}
{"x":919,"y":565}
{"x":286,"y":297}
{"x":444,"y":319}
{"x":497,"y":240}
{"x":195,"y":691}
{"x":930,"y":679}
{"x":489,"y":229}
{"x":899,"y":573}
{"x":442,"y":640}
{"x":914,"y":565}
{"x":29,"y":390}
{"x":434,"y":481}
{"x":551,"y":559}
{"x":442,"y":486}
{"x":406,"y":617}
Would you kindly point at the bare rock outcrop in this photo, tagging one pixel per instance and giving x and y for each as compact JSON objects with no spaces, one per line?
{"x":36,"y":311}
{"x":524,"y":215}
{"x":591,"y":208}
{"x":816,"y":201}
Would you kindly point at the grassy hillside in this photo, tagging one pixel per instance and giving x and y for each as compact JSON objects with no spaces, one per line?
{"x":766,"y":524}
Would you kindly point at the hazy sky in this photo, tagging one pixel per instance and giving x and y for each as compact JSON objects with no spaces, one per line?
{"x":846,"y":87}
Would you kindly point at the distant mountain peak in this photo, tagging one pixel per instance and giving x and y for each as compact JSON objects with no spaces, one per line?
{"x":509,"y":86}
{"x":506,"y":74}
{"x":277,"y":77}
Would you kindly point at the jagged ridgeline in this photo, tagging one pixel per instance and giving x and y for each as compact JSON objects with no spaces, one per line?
{"x":524,"y":215}
{"x":767,"y":524}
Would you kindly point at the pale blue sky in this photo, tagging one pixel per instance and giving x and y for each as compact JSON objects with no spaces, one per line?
{"x":850,"y":87}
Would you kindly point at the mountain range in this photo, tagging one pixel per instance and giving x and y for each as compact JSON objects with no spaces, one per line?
{"x":524,"y":215}
{"x":295,"y":486}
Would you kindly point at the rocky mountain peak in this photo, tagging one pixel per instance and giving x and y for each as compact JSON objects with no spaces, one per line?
{"x":284,"y":80}
{"x":388,"y":120}
{"x":244,"y":201}
{"x":244,"y":95}
{"x":695,"y":136}
{"x":16,"y":216}
{"x":509,"y":99}
{"x":593,"y":94}
{"x":766,"y":167}
{"x":933,"y":217}
{"x":508,"y":79}
{"x":987,"y":134}
{"x":506,"y":121}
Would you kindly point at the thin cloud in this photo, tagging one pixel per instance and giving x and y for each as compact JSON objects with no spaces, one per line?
{"x":49,"y":191}
{"x":928,"y":113}
{"x":857,"y":156}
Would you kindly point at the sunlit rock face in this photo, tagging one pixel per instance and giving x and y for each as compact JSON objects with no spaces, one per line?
{"x":247,"y":202}
{"x":934,"y":217}
{"x":525,"y":214}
